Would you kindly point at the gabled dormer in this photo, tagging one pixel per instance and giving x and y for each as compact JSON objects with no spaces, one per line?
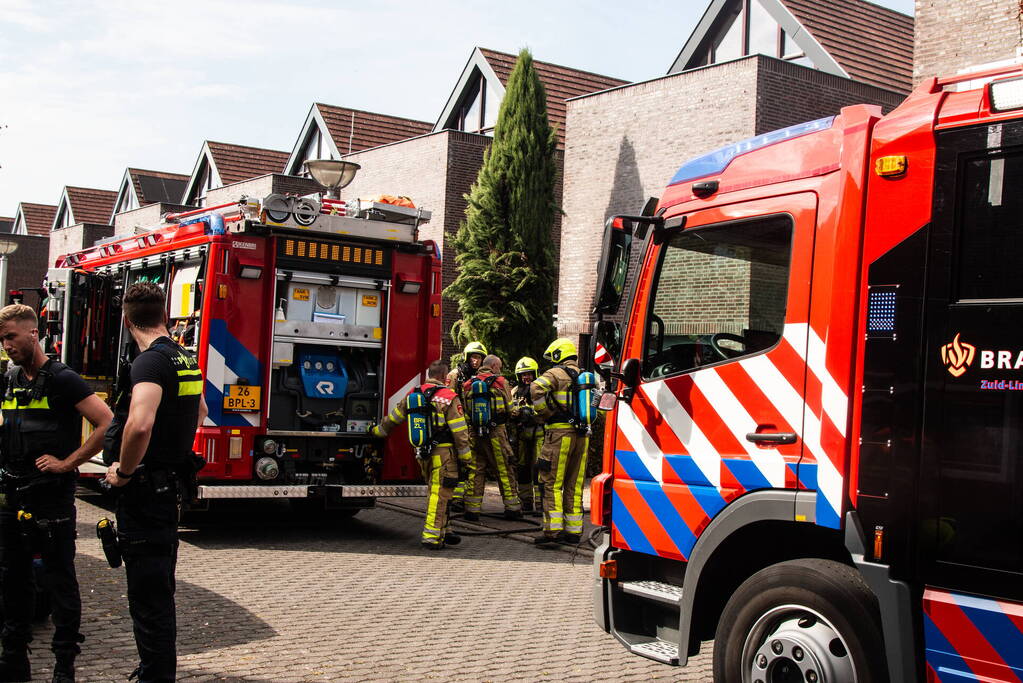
{"x":473,"y":104}
{"x":34,"y":219}
{"x":80,"y":205}
{"x":140,"y":188}
{"x":331,"y":132}
{"x":221,"y":164}
{"x":848,"y":38}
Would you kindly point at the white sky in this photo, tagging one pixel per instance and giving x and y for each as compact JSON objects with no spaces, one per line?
{"x":89,"y":88}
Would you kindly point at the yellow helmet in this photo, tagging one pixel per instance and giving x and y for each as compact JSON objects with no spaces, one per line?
{"x":526,"y":364}
{"x":559,"y":350}
{"x":474,"y":347}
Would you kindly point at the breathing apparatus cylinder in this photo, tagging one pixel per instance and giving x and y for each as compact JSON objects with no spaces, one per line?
{"x":480,"y":414}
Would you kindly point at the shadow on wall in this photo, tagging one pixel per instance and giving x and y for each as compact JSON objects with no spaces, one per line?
{"x":626,"y":194}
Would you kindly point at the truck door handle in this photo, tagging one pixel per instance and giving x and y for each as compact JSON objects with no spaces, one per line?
{"x":772,"y":438}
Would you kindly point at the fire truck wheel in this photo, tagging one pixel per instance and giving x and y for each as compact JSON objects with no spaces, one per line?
{"x":803,"y":620}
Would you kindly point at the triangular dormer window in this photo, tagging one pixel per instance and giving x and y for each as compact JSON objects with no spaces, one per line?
{"x":63,"y":219}
{"x":477,"y":111}
{"x":20,"y":228}
{"x":745,"y":27}
{"x":317,"y":146}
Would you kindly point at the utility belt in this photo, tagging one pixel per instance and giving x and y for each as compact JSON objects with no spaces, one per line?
{"x":13,"y":486}
{"x":565,"y":420}
{"x":38,"y":532}
{"x":439,"y":437}
{"x":160,"y":478}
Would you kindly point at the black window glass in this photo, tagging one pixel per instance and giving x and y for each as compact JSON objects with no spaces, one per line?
{"x":720,"y":294}
{"x":991,"y":229}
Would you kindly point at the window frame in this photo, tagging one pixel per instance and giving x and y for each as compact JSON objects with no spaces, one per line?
{"x":661,"y":243}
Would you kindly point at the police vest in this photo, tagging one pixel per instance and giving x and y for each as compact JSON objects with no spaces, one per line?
{"x":174,"y":427}
{"x":31,"y":425}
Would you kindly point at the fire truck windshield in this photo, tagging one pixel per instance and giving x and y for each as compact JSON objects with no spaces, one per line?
{"x":720,"y":294}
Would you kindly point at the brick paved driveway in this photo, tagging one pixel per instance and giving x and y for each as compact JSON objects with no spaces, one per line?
{"x":263,"y":596}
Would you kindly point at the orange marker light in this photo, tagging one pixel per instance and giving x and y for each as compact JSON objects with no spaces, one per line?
{"x":609,"y":569}
{"x":878,"y":542}
{"x":891,"y":166}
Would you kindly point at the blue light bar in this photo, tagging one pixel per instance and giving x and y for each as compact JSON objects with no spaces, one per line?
{"x":718,"y":160}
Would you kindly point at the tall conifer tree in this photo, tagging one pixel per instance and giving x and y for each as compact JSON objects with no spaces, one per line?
{"x":504,"y":251}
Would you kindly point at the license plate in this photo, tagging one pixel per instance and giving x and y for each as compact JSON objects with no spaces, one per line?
{"x":241,"y":398}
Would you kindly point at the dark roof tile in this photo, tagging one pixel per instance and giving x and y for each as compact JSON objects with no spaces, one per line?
{"x":873,"y":44}
{"x":366,"y":129}
{"x":38,"y":217}
{"x":89,"y":205}
{"x":560,"y":82}
{"x":236,"y":163}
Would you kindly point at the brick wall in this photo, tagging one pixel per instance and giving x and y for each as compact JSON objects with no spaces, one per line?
{"x":623,"y":146}
{"x":27,"y":266}
{"x":955,"y":34}
{"x":76,"y":238}
{"x":147,"y":217}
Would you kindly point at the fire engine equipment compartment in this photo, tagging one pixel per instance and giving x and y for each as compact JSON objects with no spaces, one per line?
{"x":328,"y":344}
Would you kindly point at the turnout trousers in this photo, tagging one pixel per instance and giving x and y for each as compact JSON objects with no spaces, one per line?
{"x":441,"y":475}
{"x":52,"y":505}
{"x":147,"y":531}
{"x":561,"y":467}
{"x":529,"y":448}
{"x":492,"y":451}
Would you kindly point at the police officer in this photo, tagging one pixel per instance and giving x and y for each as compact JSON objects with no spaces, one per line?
{"x":528,"y":432}
{"x":472,"y":355}
{"x":562,"y":462}
{"x":155,"y":454}
{"x":448,"y":454}
{"x":43,"y":405}
{"x":492,"y":449}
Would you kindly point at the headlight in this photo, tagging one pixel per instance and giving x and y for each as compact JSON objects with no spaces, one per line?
{"x":270,"y":447}
{"x":267,"y":468}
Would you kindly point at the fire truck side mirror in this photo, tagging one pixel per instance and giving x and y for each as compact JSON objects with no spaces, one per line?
{"x":630,"y":376}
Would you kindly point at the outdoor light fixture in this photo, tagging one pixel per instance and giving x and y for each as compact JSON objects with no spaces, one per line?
{"x":409,"y":286}
{"x":1006,"y":95}
{"x":332,"y":174}
{"x":250,"y":272}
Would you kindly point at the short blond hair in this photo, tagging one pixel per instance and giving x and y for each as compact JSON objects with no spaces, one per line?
{"x":18,"y":313}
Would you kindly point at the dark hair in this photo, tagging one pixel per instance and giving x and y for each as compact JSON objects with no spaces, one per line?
{"x":145,"y":305}
{"x":438,"y":370}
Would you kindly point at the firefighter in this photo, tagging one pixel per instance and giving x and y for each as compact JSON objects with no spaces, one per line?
{"x":561,"y":465}
{"x":448,"y":452}
{"x":528,"y":432}
{"x":491,"y":450}
{"x":154,"y":465}
{"x":472,"y":355}
{"x":43,"y":405}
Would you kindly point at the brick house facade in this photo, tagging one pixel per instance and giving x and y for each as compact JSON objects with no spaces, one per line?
{"x":624,"y":144}
{"x":952,"y":35}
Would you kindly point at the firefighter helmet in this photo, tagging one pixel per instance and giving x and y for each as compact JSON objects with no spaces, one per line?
{"x":474,"y":347}
{"x":560,"y":350}
{"x":526,"y":364}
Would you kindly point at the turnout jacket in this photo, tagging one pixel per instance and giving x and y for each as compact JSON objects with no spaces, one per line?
{"x":550,"y":393}
{"x":447,"y":419}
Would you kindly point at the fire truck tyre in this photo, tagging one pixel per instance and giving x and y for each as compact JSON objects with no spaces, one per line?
{"x":802,"y":620}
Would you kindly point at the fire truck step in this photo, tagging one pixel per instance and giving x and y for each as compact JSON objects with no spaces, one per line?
{"x":657,"y":591}
{"x":657,"y":649}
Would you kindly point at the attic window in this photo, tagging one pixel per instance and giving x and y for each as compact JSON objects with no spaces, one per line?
{"x":19,"y":227}
{"x":745,"y":27}
{"x":62,"y":218}
{"x":127,"y":201}
{"x":475,"y":113}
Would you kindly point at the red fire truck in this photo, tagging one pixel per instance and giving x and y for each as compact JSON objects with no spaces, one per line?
{"x":816,"y":454}
{"x":310,"y":322}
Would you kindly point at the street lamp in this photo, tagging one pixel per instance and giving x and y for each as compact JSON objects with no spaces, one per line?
{"x":7,"y":247}
{"x":332,"y":174}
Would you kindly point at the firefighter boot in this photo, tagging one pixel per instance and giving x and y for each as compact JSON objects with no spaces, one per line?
{"x":545,"y":541}
{"x":471,"y":516}
{"x":513,"y":514}
{"x":571,"y":539}
{"x":64,"y":668}
{"x":452,"y":539}
{"x":14,"y":664}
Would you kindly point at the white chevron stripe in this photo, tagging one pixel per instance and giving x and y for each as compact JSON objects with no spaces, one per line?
{"x":769,"y":461}
{"x":790,"y":404}
{"x":646,"y":449}
{"x":702,"y":451}
{"x":812,"y":350}
{"x":401,"y":393}
{"x":219,"y":374}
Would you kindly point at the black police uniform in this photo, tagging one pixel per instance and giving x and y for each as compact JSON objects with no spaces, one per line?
{"x":147,"y":513}
{"x":39,"y":419}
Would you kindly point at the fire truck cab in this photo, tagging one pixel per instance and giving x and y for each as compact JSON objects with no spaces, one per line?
{"x":816,"y":454}
{"x":310,"y":321}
